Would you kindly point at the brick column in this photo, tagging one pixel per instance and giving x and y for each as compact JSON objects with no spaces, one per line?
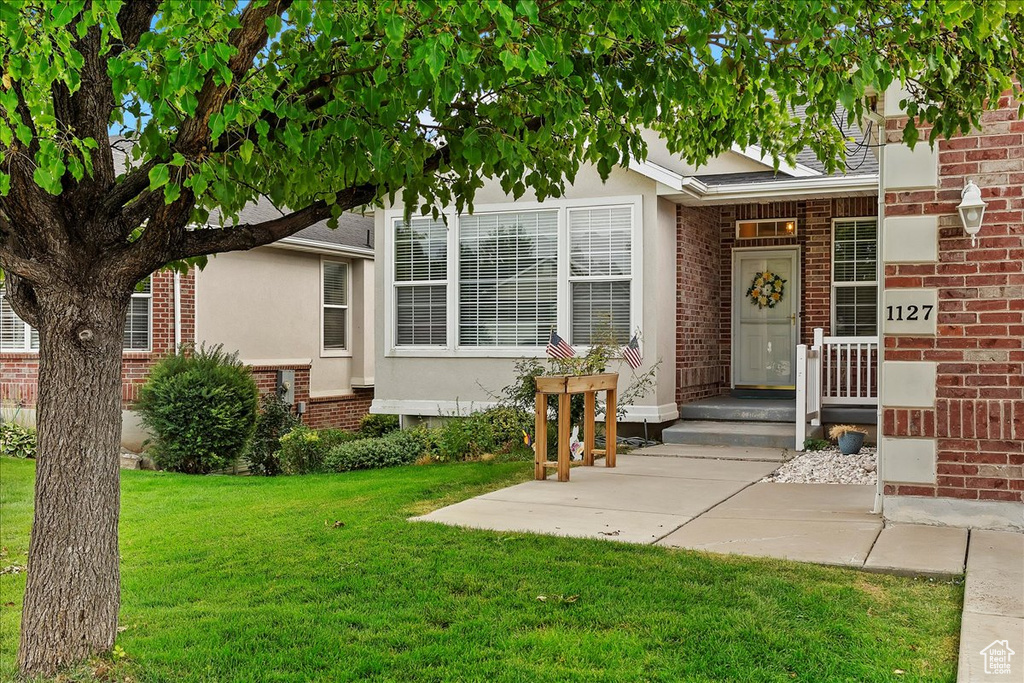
{"x":953,"y":386}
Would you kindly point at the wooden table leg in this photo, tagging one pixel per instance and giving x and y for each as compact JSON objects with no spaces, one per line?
{"x":589,"y":402}
{"x":540,"y":437}
{"x":564,"y":403}
{"x":609,"y":429}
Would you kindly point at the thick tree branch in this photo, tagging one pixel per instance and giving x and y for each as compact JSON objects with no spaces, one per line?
{"x":248,"y":39}
{"x":248,"y":236}
{"x":134,"y":19}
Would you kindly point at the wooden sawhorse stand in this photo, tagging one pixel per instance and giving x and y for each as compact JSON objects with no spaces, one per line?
{"x":565,"y":386}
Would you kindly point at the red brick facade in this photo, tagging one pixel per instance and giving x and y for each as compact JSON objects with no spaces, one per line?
{"x":978,"y":418}
{"x":19,"y":371}
{"x":706,"y":237}
{"x":343,"y":411}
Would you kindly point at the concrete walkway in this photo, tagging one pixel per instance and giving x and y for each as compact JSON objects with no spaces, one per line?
{"x":707,"y":498}
{"x":993,"y":607}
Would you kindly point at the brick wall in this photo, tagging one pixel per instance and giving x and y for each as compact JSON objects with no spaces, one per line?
{"x":977,"y":419}
{"x":19,"y":371}
{"x":343,"y":410}
{"x":814,"y":237}
{"x":698,"y":373}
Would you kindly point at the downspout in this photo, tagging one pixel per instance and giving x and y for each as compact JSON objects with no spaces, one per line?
{"x":177,"y":311}
{"x":879,"y":420}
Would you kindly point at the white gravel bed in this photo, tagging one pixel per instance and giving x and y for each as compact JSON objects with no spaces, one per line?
{"x":828,"y":467}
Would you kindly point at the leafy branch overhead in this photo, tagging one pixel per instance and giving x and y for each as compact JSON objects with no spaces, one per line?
{"x":325,"y":106}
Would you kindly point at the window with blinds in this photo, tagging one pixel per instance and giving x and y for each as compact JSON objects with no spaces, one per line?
{"x":855,"y":277}
{"x":17,"y":335}
{"x":335,"y":306}
{"x":137,"y":329}
{"x":508,"y":278}
{"x":600,"y":274}
{"x":421,"y":282}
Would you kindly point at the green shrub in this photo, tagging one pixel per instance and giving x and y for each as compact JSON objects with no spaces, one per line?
{"x":202,"y":409}
{"x":334,"y":437}
{"x":302,"y":451}
{"x":377,"y":425}
{"x":275,"y":419}
{"x":507,"y":425}
{"x":396,"y":448}
{"x":17,"y":441}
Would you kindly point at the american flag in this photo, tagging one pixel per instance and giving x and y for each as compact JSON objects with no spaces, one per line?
{"x":632,"y":353}
{"x":558,"y":347}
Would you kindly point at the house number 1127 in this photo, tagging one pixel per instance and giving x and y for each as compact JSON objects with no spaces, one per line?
{"x":912,"y":312}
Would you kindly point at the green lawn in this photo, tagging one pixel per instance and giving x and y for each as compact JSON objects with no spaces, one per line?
{"x":248,"y":579}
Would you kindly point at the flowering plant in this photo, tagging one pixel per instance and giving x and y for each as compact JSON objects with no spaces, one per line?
{"x":766,"y":289}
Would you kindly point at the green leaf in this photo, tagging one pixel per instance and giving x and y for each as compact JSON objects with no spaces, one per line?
{"x":158,"y":176}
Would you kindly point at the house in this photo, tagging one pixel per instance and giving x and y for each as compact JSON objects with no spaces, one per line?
{"x":885,"y":311}
{"x":299,"y":313}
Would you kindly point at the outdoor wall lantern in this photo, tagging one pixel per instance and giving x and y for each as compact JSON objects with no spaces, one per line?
{"x":971,"y":210}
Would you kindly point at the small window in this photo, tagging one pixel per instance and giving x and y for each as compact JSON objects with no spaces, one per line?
{"x":335,"y":306}
{"x":855,"y":277}
{"x":421,"y":283}
{"x":775,"y":227}
{"x":15,"y":333}
{"x":137,"y":330}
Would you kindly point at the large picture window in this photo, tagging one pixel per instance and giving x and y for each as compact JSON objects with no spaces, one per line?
{"x":500,"y":280}
{"x":421,"y":282}
{"x":600,"y":273}
{"x":508,"y":278}
{"x":855,"y":277}
{"x":17,"y":335}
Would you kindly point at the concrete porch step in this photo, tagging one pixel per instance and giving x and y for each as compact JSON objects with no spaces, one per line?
{"x":731,"y":409}
{"x":714,"y":433}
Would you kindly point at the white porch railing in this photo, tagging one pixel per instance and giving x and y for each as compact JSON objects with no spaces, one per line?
{"x":833,"y":371}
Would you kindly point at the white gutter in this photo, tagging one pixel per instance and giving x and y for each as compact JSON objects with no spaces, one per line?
{"x":177,"y":311}
{"x":880,"y":369}
{"x":776,"y":190}
{"x":696,"y":191}
{"x":317,"y":247}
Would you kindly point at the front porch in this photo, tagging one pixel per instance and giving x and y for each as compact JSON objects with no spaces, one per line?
{"x":836,"y":382}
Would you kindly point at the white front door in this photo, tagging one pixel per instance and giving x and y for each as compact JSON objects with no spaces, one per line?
{"x":764,"y":337}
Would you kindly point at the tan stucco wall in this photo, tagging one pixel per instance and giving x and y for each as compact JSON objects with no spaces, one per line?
{"x":432,"y":385}
{"x":265,"y":304}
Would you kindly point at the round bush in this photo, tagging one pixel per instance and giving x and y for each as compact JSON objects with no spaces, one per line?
{"x":397,"y":448}
{"x":201,"y":408}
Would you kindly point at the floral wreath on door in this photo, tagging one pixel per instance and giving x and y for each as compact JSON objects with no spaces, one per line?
{"x":766,"y":290}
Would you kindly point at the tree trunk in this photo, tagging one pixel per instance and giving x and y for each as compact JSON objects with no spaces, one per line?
{"x":73,"y":591}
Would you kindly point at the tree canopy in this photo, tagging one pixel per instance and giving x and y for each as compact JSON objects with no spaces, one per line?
{"x":327,"y":105}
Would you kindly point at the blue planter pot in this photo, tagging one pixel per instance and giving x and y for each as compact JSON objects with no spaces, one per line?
{"x":850,"y":443}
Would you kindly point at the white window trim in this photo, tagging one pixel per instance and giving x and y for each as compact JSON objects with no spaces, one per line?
{"x":860,"y":283}
{"x":347,"y":351}
{"x":149,"y":320}
{"x":758,"y":221}
{"x":452,"y":349}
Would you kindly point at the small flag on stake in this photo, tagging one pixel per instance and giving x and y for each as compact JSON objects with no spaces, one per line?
{"x":632,"y":353}
{"x":558,"y":347}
